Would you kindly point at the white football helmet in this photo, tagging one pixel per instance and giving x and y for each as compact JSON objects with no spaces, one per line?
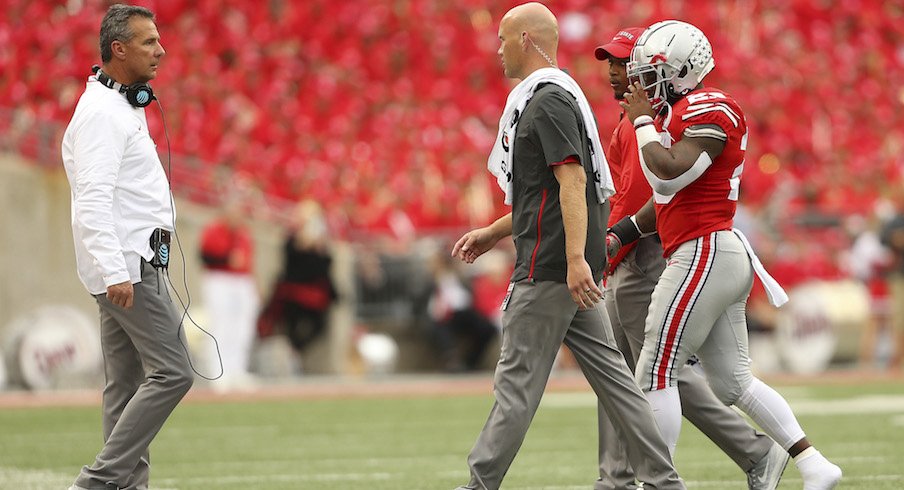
{"x":670,"y":59}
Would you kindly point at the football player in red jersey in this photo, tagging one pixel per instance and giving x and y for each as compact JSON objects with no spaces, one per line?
{"x":633,"y":273}
{"x":698,"y":306}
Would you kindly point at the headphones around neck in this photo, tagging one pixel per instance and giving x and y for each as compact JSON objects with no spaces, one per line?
{"x":138,"y":94}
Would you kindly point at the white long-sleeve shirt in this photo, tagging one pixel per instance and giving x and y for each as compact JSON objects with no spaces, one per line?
{"x":120,"y":192}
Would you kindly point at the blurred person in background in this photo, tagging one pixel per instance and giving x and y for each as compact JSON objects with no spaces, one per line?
{"x":893,"y":238}
{"x":867,"y":261}
{"x":120,"y":202}
{"x":491,"y":283}
{"x":548,"y":160}
{"x":633,"y":271}
{"x":230,"y":294}
{"x":304,"y":291}
{"x":460,"y":332}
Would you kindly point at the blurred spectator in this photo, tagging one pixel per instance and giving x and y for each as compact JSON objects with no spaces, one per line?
{"x":893,"y":238}
{"x":491,"y":284}
{"x":300,"y":302}
{"x":230,"y":294}
{"x":371,"y":278}
{"x":866,"y":262}
{"x":460,"y":333}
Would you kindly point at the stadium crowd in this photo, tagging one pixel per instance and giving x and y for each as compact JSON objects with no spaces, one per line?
{"x":384,"y":110}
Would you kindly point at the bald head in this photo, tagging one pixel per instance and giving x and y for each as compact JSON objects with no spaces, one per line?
{"x":535,"y":29}
{"x":537,"y":20}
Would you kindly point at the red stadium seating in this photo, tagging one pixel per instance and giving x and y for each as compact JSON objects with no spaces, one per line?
{"x":378,"y":107}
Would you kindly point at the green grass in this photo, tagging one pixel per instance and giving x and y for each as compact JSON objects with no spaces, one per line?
{"x":422,"y":443}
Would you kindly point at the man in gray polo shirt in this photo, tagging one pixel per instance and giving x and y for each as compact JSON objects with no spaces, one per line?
{"x":548,"y":160}
{"x":120,"y":197}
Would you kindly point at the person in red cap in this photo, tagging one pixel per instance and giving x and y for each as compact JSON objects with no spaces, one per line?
{"x":632,"y":274}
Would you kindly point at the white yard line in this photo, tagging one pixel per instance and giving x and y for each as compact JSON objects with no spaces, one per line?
{"x":86,"y":435}
{"x":52,"y":480}
{"x":873,"y":404}
{"x":283,"y":478}
{"x":34,"y":479}
{"x":223,"y":429}
{"x":20,"y":479}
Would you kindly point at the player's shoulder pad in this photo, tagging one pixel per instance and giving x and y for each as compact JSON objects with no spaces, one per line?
{"x":710,"y":106}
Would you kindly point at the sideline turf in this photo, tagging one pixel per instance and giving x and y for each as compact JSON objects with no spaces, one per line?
{"x":422,"y":443}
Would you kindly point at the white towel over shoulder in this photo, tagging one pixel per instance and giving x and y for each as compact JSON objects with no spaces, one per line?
{"x":500,"y":161}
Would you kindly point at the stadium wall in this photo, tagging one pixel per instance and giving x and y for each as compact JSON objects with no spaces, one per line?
{"x":37,"y":259}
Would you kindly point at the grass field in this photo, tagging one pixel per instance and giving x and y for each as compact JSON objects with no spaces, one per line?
{"x":420,"y":442}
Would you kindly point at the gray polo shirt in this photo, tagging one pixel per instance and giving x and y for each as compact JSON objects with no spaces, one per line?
{"x":549,"y":131}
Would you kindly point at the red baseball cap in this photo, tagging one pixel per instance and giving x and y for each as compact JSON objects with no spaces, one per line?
{"x":620,"y":46}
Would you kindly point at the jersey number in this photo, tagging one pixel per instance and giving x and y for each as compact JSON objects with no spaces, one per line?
{"x":734,"y":182}
{"x":703,"y":96}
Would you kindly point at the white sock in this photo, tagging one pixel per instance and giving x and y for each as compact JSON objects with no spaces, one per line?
{"x":771,"y":412}
{"x":666,"y":406}
{"x":818,"y":472}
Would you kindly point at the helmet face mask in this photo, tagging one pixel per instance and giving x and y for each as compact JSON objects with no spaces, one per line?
{"x":652,"y":80}
{"x":670,"y":59}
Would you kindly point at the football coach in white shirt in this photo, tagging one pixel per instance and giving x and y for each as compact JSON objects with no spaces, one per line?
{"x":120,"y":200}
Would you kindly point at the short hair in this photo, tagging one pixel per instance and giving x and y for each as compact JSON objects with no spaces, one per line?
{"x":115,"y":27}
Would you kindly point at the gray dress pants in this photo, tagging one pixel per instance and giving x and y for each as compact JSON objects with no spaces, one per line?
{"x":147,"y":373}
{"x":539,"y":317}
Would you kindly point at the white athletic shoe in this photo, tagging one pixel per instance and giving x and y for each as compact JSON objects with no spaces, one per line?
{"x":766,"y":474}
{"x":818,"y":472}
{"x":827,"y":480}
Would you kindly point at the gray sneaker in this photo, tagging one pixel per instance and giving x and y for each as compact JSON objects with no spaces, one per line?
{"x":766,"y":474}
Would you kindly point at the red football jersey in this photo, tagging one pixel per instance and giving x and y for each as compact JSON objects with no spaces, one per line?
{"x":708,"y":204}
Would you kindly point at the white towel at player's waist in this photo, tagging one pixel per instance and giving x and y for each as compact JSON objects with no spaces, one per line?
{"x":777,"y":295}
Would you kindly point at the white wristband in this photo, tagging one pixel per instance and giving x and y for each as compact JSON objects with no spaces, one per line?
{"x":643,"y":118}
{"x":642,"y":233}
{"x":646,"y":134}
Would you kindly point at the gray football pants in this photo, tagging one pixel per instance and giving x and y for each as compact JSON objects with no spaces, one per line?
{"x":147,"y":373}
{"x":540,"y":316}
{"x":628,"y":294}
